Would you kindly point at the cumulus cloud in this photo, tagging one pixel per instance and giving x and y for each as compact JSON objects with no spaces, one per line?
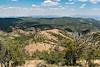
{"x":50,"y":3}
{"x":91,"y":1}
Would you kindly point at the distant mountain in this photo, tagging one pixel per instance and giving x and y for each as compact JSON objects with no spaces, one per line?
{"x":65,"y":23}
{"x":97,"y":17}
{"x":47,"y":16}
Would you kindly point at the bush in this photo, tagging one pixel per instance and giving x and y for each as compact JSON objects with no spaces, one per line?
{"x":51,"y":58}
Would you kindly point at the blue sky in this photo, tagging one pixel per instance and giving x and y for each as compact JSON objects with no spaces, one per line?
{"x":49,"y":7}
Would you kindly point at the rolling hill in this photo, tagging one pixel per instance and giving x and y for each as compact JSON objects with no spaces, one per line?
{"x":65,"y":23}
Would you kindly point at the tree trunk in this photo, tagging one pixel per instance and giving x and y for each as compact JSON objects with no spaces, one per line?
{"x":74,"y":61}
{"x":89,"y":63}
{"x":6,"y":64}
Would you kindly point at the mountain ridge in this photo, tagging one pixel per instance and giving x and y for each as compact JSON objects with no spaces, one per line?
{"x":72,"y":23}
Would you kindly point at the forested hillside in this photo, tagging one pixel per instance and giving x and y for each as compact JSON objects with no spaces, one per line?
{"x":65,"y":23}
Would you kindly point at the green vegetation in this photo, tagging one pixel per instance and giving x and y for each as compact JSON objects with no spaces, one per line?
{"x":51,"y":58}
{"x":65,"y":23}
{"x":67,"y":46}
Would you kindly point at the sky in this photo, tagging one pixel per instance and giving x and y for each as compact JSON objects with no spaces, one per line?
{"x":18,"y":8}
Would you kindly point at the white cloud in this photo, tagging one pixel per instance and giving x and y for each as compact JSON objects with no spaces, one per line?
{"x":83,"y":0}
{"x":70,"y":3}
{"x":89,"y":12}
{"x":95,"y":9}
{"x":14,"y":11}
{"x":94,"y":1}
{"x":83,"y":5}
{"x":35,"y":6}
{"x":91,"y":1}
{"x":19,"y":11}
{"x":50,"y":3}
{"x":39,"y":11}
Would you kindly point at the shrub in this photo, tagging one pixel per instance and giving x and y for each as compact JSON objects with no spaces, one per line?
{"x":51,"y":58}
